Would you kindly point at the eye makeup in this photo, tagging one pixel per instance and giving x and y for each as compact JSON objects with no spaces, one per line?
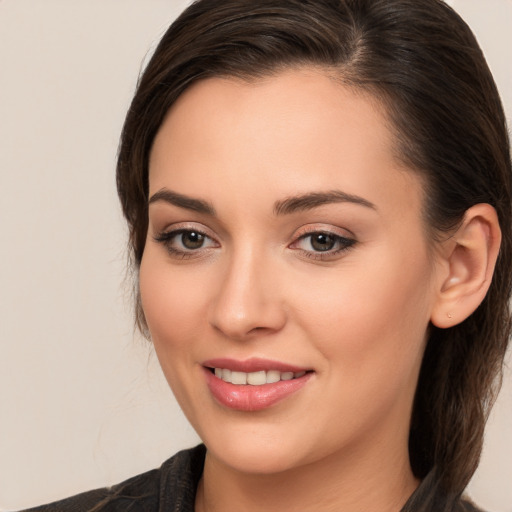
{"x":315,"y":243}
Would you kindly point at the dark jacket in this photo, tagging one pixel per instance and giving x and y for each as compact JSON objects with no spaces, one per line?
{"x":172,"y":488}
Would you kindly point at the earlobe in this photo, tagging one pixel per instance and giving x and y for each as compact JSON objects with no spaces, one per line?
{"x":469,"y":258}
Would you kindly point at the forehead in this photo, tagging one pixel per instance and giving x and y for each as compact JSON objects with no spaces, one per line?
{"x":295,"y":131}
{"x":303,"y":102}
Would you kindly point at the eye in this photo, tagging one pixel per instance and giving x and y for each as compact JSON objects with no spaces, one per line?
{"x":321,"y":241}
{"x":191,"y":239}
{"x":185,"y":242}
{"x":322,"y":244}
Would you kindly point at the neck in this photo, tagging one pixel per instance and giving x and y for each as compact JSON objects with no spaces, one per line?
{"x":349,"y":482}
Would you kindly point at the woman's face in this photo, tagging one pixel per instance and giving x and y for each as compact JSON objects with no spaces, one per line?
{"x":284,"y":237}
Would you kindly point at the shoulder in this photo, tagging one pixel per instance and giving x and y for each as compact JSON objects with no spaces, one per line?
{"x":138,"y":493}
{"x":466,"y":505}
{"x":429,"y":497}
{"x":159,"y":489}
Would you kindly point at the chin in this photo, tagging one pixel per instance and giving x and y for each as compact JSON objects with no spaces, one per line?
{"x":255,"y":458}
{"x":255,"y":452}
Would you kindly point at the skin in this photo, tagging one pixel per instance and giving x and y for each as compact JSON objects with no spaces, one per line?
{"x":357,"y":319}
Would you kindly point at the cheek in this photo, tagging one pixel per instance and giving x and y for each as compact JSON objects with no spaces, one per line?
{"x":370,"y":313}
{"x":172,"y":302}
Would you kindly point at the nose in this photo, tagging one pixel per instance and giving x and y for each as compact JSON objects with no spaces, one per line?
{"x":248,"y":301}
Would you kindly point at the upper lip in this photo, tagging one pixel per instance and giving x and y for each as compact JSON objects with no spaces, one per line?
{"x":252,"y":365}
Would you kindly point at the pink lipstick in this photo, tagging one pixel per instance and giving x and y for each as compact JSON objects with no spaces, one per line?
{"x":253,"y":384}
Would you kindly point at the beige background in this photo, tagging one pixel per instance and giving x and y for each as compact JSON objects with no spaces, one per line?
{"x":82,"y":401}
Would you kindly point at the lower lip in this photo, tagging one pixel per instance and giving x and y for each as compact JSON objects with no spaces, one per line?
{"x":252,"y":398}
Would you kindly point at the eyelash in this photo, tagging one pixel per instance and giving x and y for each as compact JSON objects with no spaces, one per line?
{"x":344,"y":244}
{"x":166,"y":238}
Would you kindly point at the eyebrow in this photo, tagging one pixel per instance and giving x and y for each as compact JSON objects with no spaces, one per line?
{"x":312,"y":200}
{"x":286,"y":206}
{"x":182,"y":201}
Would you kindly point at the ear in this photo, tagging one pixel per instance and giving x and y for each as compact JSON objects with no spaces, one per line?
{"x":466,"y":266}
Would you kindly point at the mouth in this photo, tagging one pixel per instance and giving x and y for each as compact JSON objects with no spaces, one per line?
{"x":258,"y":378}
{"x":254,"y":384}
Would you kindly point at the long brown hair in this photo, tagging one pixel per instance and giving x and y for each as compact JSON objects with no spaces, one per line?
{"x":423,"y":63}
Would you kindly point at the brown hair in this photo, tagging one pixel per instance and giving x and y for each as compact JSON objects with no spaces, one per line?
{"x":423,"y":62}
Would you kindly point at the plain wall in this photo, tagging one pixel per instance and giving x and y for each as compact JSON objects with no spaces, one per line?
{"x":82,"y":400}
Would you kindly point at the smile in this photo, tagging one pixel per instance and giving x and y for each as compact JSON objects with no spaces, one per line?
{"x":255,"y":378}
{"x":254,"y":384}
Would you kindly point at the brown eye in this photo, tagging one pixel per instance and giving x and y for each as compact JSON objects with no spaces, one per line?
{"x":186,"y":243}
{"x":192,"y":240}
{"x":322,"y":242}
{"x":322,"y":245}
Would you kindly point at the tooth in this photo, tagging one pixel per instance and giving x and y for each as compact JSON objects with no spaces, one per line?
{"x":238,"y":378}
{"x":256,"y":378}
{"x":273,"y":376}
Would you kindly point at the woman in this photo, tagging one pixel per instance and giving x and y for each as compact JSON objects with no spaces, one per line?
{"x":318,"y":197}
